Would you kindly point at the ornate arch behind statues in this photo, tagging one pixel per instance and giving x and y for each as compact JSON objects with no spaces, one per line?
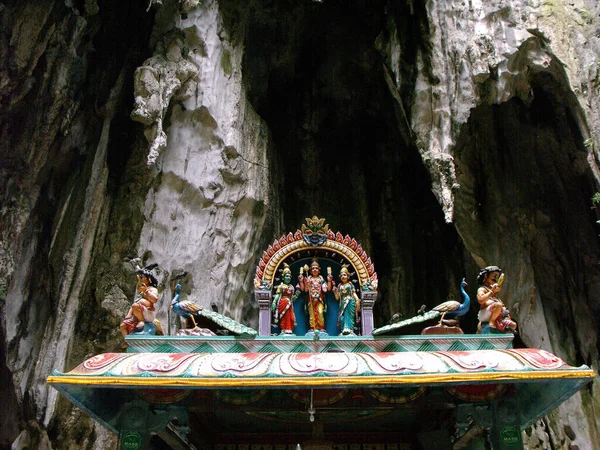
{"x":332,"y":250}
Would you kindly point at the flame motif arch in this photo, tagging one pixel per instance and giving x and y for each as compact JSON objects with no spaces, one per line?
{"x":291,"y":244}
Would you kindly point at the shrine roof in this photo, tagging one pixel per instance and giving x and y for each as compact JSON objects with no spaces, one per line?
{"x":105,"y":383}
{"x":215,"y":370}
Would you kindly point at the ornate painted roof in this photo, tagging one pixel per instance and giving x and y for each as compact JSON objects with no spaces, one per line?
{"x":539,"y":379}
{"x":214,"y":370}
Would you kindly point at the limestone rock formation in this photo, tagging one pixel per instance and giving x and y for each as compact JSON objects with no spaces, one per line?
{"x":445,"y":136}
{"x":162,"y":78}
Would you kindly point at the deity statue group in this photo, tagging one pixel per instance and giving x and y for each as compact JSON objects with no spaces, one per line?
{"x":314,"y":286}
{"x":493,"y":315}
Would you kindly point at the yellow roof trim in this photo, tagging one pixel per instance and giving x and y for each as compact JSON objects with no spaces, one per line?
{"x":400,"y":380}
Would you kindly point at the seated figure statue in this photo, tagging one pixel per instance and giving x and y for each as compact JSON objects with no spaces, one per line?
{"x":142,"y":311}
{"x":492,"y":311}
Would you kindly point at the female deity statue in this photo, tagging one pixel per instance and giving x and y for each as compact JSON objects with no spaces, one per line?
{"x":283,"y":303}
{"x":345,"y":293}
{"x":316,"y":286}
{"x":492,"y":310}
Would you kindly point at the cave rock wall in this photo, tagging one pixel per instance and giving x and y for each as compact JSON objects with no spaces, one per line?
{"x":171,"y":135}
{"x":504,"y":113}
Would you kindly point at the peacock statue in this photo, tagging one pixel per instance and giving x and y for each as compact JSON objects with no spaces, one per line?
{"x":185,"y":309}
{"x":452,"y":308}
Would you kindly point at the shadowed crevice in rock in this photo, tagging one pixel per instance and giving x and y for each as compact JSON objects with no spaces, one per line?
{"x":58,"y":101}
{"x":526,"y":182}
{"x":10,"y":416}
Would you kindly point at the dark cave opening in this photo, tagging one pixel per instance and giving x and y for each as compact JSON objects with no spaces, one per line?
{"x":525,"y":204}
{"x":317,"y":79}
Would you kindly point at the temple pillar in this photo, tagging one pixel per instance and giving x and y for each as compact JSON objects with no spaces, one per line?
{"x":506,"y":428}
{"x":263,"y":297}
{"x":500,"y":422}
{"x":133,"y":430}
{"x":367,"y":301}
{"x":140,"y":421}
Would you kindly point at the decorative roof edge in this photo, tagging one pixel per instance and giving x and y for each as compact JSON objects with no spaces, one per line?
{"x":303,"y":369}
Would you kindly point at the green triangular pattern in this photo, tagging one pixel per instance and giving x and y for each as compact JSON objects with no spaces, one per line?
{"x":457,"y":347}
{"x":330,"y":346}
{"x":132,"y":349}
{"x":204,"y":348}
{"x":300,"y":348}
{"x":393,"y":347}
{"x":228,"y":375}
{"x":269,"y":348}
{"x":147,"y":375}
{"x":362,"y":348}
{"x":486,"y":345}
{"x":427,"y":347}
{"x":165,"y":348}
{"x":237,"y":348}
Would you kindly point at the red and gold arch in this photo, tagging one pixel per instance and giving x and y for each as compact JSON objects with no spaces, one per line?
{"x":315,"y":236}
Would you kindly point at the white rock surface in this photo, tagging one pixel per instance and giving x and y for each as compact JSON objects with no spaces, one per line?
{"x":484,"y":52}
{"x":206,"y":213}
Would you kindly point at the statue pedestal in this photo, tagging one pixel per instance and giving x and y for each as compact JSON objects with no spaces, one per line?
{"x":442,"y":329}
{"x":317,"y":334}
{"x":367,"y":300}
{"x":263,"y":297}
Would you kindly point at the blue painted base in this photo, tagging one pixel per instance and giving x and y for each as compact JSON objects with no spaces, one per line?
{"x":149,"y":330}
{"x":486,"y":329}
{"x":286,"y":335}
{"x":317,"y":334}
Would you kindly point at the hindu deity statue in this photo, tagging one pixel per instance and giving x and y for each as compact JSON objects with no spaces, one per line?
{"x":283,"y":303}
{"x":143,"y":309}
{"x":492,"y":310}
{"x":315,"y":286}
{"x":345,"y":293}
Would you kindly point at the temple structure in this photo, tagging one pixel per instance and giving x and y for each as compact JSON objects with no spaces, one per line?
{"x":317,"y":373}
